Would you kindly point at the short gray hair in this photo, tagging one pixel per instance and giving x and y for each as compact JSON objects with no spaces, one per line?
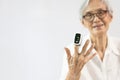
{"x":86,"y":2}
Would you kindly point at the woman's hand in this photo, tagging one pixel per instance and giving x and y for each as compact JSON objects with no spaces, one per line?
{"x":79,"y":59}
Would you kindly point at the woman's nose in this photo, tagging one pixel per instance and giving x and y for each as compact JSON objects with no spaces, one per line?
{"x":96,"y":19}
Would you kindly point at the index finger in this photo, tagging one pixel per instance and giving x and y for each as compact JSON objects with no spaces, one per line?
{"x":68,"y":53}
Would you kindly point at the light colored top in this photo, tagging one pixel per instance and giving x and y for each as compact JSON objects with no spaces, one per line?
{"x":95,"y":69}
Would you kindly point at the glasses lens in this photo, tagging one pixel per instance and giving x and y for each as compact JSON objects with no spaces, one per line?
{"x":101,"y":13}
{"x":88,"y":16}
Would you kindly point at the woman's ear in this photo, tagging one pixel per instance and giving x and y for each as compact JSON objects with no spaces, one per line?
{"x":82,"y":21}
{"x":111,"y":16}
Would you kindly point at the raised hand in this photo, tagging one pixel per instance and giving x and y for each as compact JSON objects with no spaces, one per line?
{"x":78,"y":59}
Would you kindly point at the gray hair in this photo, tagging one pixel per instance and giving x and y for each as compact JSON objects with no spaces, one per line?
{"x":86,"y":2}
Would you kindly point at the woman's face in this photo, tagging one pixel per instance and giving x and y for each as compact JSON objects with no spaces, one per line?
{"x":96,"y":18}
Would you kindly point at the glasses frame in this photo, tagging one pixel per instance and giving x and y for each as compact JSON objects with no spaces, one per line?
{"x":92,"y":15}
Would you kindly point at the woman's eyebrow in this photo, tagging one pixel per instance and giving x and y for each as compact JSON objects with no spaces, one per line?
{"x":94,"y":10}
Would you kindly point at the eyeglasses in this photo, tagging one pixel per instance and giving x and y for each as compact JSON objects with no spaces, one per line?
{"x":100,"y":14}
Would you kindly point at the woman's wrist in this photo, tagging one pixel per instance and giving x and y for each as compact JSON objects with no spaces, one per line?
{"x":72,"y":76}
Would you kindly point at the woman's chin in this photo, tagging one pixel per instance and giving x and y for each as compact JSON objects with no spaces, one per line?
{"x":99,"y":32}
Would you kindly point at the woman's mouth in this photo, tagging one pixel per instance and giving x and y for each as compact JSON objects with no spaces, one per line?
{"x":98,"y":26}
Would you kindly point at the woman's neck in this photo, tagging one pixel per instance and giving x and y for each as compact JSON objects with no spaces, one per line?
{"x":100,"y":44}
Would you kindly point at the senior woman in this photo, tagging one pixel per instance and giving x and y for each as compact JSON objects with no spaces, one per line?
{"x":99,"y":57}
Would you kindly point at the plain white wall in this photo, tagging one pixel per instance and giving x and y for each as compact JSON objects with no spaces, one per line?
{"x":33,"y":34}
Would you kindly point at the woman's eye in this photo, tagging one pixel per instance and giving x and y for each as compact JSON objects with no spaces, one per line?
{"x":88,"y":15}
{"x":100,"y":12}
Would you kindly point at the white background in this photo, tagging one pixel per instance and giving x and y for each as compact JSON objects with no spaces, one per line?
{"x":33,"y":34}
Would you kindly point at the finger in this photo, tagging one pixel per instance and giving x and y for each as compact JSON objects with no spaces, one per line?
{"x":68,"y":53}
{"x":85,"y":47}
{"x":76,"y":50}
{"x":90,"y":49}
{"x":89,"y":58}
